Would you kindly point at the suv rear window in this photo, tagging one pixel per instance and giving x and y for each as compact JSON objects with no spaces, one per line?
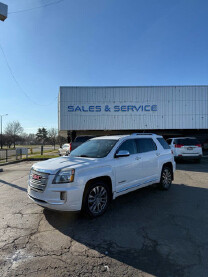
{"x":163,"y":143}
{"x":145,"y":145}
{"x":82,"y":139}
{"x":186,"y":141}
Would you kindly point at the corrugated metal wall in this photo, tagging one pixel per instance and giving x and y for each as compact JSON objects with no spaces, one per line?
{"x":178,"y":107}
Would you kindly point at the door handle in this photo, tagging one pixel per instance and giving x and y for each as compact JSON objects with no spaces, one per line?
{"x":138,"y":158}
{"x":157,"y":154}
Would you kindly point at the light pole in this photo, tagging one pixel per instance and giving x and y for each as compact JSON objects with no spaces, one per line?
{"x":1,"y":127}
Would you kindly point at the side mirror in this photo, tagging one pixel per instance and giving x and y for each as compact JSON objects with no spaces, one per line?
{"x":122,"y":153}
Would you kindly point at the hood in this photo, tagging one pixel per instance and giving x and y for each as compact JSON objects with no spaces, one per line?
{"x":52,"y":166}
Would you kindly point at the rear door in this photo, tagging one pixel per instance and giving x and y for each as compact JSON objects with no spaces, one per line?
{"x":147,"y":150}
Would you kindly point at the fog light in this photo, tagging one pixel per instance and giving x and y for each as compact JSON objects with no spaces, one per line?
{"x":63,"y":195}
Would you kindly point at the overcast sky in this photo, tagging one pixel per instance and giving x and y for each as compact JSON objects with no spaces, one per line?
{"x":96,"y":43}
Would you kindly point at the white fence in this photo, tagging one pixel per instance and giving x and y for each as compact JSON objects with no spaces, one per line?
{"x":9,"y":155}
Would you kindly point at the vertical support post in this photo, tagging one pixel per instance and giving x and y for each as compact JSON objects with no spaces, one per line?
{"x":41,"y":150}
{"x":1,"y":132}
{"x":6,"y":155}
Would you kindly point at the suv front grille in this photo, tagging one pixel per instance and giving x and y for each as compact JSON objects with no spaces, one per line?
{"x":38,"y":180}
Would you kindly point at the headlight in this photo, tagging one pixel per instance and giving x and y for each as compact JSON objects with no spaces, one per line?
{"x":65,"y":175}
{"x":30,"y":174}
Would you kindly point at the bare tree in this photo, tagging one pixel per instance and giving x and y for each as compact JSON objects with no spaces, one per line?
{"x":13,"y":130}
{"x":52,"y":135}
{"x":61,"y":140}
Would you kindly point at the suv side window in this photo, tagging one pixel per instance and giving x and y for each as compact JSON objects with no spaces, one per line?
{"x":145,"y":145}
{"x":128,"y":145}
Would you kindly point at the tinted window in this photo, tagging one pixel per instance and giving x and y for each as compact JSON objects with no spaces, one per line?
{"x":96,"y":148}
{"x":128,"y":145}
{"x":163,"y":143}
{"x":187,"y":141}
{"x":169,"y":141}
{"x":145,"y":145}
{"x":82,"y":139}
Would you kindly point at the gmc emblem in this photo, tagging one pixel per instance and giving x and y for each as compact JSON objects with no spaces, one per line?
{"x":36,"y":177}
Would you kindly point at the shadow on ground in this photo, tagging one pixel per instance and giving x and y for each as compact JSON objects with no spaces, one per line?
{"x":13,"y":185}
{"x":193,"y":166}
{"x":154,"y":231}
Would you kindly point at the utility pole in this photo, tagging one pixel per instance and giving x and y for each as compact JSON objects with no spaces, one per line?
{"x":1,"y":129}
{"x":3,"y":11}
{"x":3,"y":16}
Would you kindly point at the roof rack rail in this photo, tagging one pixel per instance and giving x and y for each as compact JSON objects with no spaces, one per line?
{"x":142,"y":134}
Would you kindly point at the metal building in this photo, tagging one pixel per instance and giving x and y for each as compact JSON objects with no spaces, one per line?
{"x":165,"y":110}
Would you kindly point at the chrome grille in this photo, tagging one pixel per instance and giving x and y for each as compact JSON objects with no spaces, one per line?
{"x":38,"y":180}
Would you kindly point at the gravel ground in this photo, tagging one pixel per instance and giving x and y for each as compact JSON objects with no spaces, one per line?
{"x":144,"y":233}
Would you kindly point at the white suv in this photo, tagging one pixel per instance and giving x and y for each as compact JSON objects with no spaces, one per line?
{"x":100,"y":170}
{"x":65,"y":149}
{"x":186,"y":148}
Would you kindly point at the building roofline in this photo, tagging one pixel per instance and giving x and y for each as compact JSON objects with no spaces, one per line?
{"x":133,"y":86}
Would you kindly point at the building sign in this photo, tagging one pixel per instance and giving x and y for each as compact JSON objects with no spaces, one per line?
{"x":109,"y":108}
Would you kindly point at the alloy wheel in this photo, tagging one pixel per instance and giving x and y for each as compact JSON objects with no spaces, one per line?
{"x":97,"y":200}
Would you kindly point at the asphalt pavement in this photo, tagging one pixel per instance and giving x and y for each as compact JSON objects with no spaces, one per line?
{"x":144,"y":233}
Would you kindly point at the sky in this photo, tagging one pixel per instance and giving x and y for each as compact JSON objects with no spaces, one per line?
{"x":95,"y":43}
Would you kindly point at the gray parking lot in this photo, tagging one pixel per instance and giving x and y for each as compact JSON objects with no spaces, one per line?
{"x":144,"y":233}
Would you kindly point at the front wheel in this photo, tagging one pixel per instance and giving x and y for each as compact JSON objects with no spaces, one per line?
{"x":166,"y":178}
{"x":96,"y":199}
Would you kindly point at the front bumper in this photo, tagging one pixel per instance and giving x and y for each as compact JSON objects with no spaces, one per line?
{"x":61,"y":197}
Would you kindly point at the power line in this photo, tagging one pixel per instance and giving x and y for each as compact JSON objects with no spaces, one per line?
{"x":18,"y":84}
{"x":38,"y":7}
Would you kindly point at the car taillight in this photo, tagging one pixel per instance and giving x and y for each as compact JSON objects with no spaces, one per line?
{"x":199,"y":145}
{"x":178,"y":145}
{"x":70,"y":147}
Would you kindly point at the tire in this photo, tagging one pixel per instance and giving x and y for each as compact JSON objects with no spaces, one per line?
{"x":166,"y":178}
{"x":96,"y":199}
{"x":198,"y":160}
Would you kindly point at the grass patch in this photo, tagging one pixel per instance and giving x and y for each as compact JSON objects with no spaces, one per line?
{"x":42,"y":157}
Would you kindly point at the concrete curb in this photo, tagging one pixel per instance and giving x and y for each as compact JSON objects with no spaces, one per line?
{"x":36,"y":159}
{"x":24,"y":160}
{"x":14,"y":162}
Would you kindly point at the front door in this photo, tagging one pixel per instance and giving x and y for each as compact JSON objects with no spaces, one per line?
{"x":128,"y":169}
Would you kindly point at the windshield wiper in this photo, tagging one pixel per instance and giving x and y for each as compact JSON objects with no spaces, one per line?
{"x":83,"y":156}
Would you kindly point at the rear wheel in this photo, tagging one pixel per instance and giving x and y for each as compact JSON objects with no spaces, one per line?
{"x":166,"y":178}
{"x":96,"y":199}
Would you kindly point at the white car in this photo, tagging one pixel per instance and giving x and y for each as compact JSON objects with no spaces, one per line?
{"x":186,"y":148}
{"x":65,"y":149}
{"x":100,"y":170}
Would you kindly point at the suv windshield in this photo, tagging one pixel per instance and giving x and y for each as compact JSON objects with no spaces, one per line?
{"x":187,"y":141}
{"x":96,"y":148}
{"x":65,"y":146}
